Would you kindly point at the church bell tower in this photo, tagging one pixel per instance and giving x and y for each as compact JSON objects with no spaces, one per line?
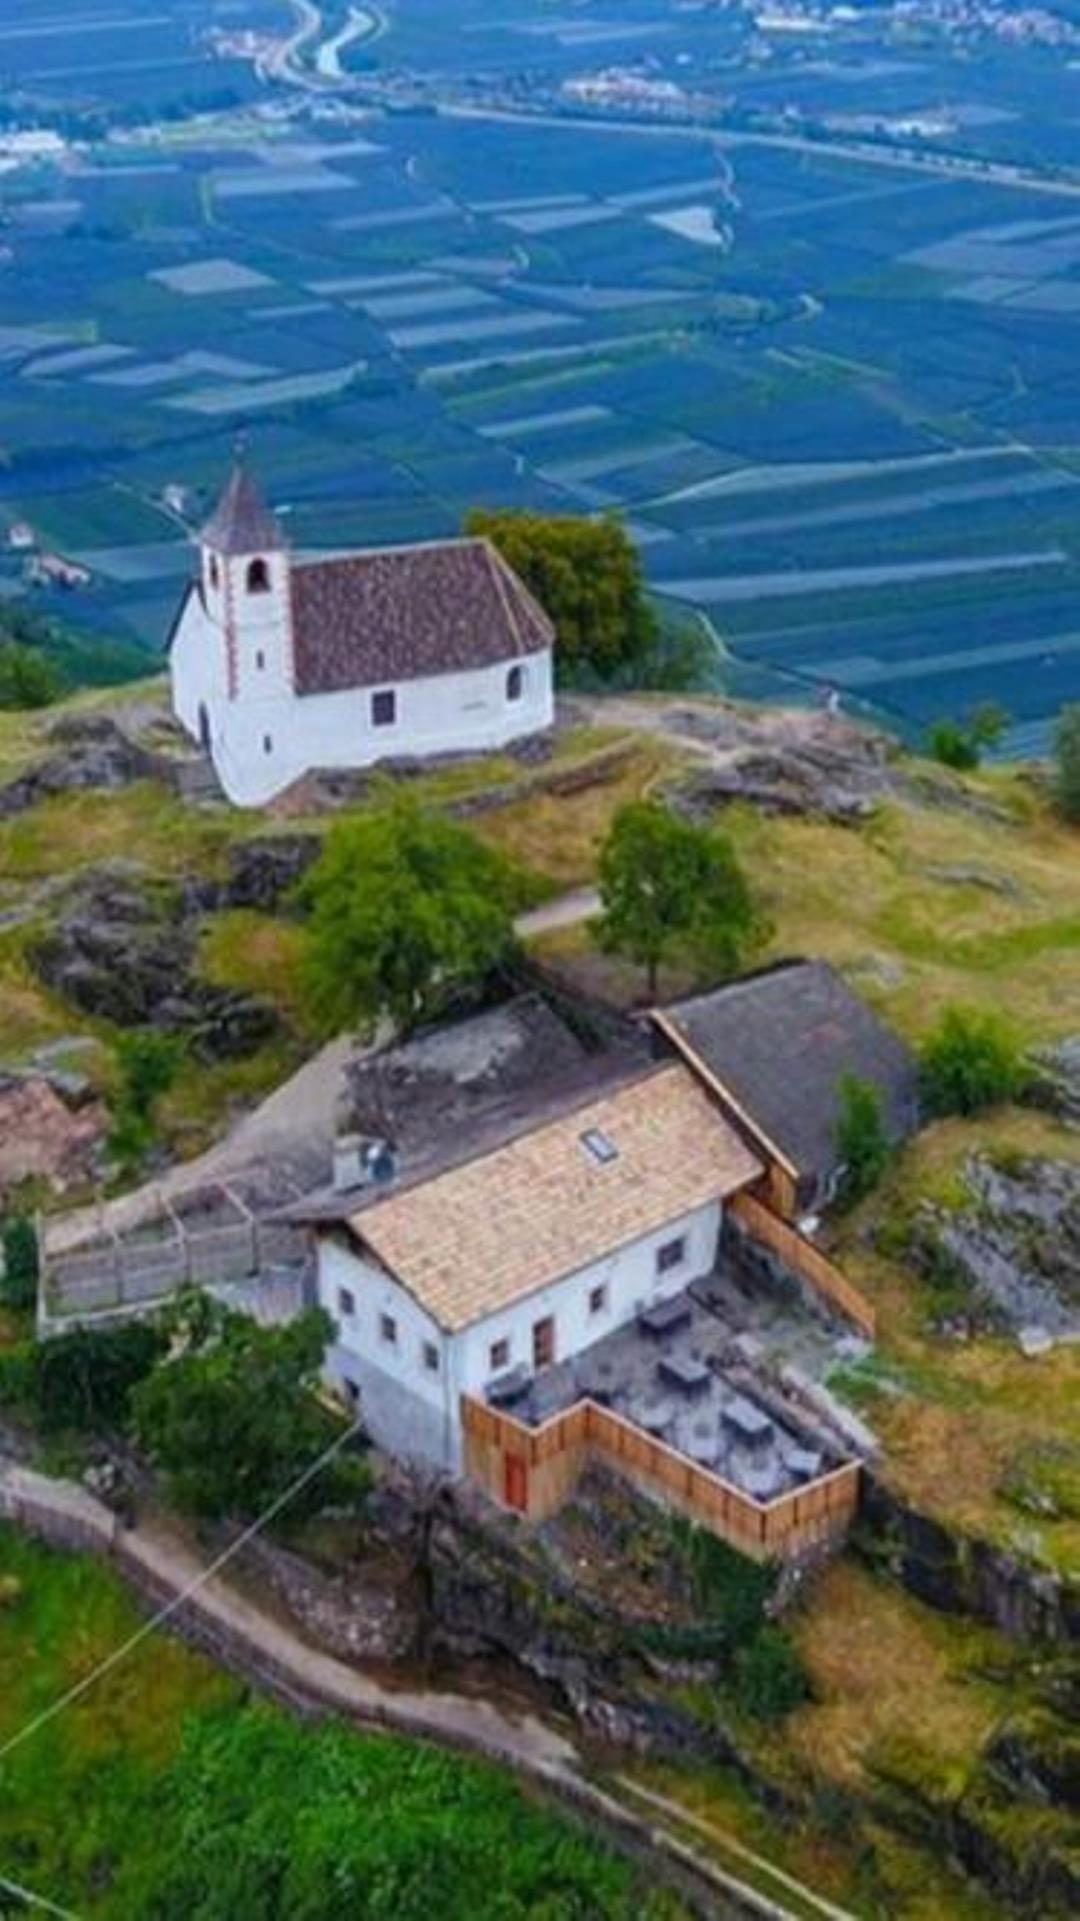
{"x":245,"y":586}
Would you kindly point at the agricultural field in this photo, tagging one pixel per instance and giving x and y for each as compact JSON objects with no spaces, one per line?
{"x":809,"y":326}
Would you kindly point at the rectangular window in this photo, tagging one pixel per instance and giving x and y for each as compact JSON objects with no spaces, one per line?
{"x":499,"y":1355}
{"x":268,"y":745}
{"x":544,"y":1341}
{"x":346,"y":1302}
{"x":388,"y":1329}
{"x":431,"y":1357}
{"x":384,"y":708}
{"x":671,"y":1254}
{"x":598,"y":1298}
{"x":260,"y":660}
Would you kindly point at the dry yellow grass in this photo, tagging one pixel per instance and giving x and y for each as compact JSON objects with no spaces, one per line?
{"x":883,"y":1666}
{"x":559,"y":836}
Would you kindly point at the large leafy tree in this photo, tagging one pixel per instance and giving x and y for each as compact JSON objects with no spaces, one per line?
{"x":407,"y":907}
{"x":231,"y":1417}
{"x":667,"y":885}
{"x":587,"y":576}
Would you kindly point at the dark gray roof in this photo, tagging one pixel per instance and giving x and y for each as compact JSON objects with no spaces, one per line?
{"x":242,"y":523}
{"x":465,"y":1087}
{"x":398,"y":613}
{"x":780,"y":1041}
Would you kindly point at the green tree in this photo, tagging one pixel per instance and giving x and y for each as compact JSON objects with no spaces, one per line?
{"x":19,"y":1271}
{"x":407,"y":908}
{"x":668,"y":886}
{"x":862,"y":1140}
{"x":962,"y":744}
{"x":587,"y":576}
{"x":27,"y":678}
{"x":83,"y":1380}
{"x":1067,"y":762}
{"x":149,"y":1062}
{"x":231,"y":1416}
{"x":971,"y":1061}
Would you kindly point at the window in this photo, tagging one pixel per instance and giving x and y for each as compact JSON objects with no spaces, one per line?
{"x":499,"y":1355}
{"x":388,"y":1329}
{"x":258,"y":577}
{"x":215,"y":572}
{"x":352,"y":1391}
{"x":598,"y":1147}
{"x":598,"y":1298}
{"x":384,"y":708}
{"x":515,"y":683}
{"x":260,"y":660}
{"x":544,"y":1342}
{"x":268,"y":744}
{"x":671,"y":1254}
{"x":346,"y":1301}
{"x":431,"y":1357}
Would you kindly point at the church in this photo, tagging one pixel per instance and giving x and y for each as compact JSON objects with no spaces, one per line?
{"x":283,"y":664}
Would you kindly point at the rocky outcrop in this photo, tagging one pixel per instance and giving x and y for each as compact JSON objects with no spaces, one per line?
{"x":93,"y":752}
{"x":1056,"y":1078}
{"x":962,"y":1575}
{"x":124,"y":949}
{"x":264,"y":873}
{"x":842,"y":784}
{"x":45,"y":1138}
{"x":1014,"y":1252}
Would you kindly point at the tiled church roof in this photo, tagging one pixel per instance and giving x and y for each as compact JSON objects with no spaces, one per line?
{"x":405,"y":612}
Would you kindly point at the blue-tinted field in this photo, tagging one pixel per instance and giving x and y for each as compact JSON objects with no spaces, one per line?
{"x":834,"y":395}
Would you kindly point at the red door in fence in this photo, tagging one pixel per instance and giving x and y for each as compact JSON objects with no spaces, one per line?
{"x":515,"y":1482}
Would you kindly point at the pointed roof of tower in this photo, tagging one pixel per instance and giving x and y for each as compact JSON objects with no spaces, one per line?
{"x":242,"y":523}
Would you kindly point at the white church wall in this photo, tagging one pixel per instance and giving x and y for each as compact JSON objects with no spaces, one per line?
{"x":263,"y":736}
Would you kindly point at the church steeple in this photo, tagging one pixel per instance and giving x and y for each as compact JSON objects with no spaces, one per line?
{"x":242,"y":523}
{"x":245,"y":585}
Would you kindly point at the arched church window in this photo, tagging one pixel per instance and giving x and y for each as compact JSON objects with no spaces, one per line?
{"x":215,"y":572}
{"x":258,"y":577}
{"x":515,"y":683}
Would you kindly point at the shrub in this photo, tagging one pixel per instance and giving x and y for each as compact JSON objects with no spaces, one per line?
{"x":861,"y":1138}
{"x":970,"y":1062}
{"x":961,"y":744}
{"x":149,"y":1062}
{"x":19,"y":1278}
{"x":27,"y":679}
{"x":1067,"y":762}
{"x":769,"y":1680}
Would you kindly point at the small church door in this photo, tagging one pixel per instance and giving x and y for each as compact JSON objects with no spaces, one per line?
{"x":515,"y":1482}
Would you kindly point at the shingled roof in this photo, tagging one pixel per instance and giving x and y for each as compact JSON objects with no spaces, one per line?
{"x":778,"y":1043}
{"x":542,"y":1207}
{"x":400,"y":613}
{"x":242,"y":523}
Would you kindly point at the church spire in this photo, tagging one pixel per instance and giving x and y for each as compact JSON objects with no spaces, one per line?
{"x":242,"y":523}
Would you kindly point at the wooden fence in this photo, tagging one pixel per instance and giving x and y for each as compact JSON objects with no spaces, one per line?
{"x":535,"y":1470}
{"x":805,"y":1260}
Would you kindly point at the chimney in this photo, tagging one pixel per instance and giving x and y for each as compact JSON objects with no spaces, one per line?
{"x":360,"y":1161}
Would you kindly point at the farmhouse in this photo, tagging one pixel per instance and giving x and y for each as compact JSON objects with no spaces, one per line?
{"x":528,"y":1250}
{"x":282,"y":664}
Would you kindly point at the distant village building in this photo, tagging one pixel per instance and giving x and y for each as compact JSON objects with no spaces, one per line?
{"x":175,"y":498}
{"x":21,"y":537}
{"x":282,"y":665}
{"x":53,"y":570}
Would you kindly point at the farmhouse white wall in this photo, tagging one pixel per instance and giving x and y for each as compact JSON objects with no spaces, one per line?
{"x":414,"y":1411}
{"x":263,"y":736}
